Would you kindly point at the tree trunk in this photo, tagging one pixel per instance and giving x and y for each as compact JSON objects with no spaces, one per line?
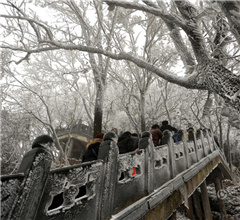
{"x":143,"y":122}
{"x":219,"y":120}
{"x":216,"y":78}
{"x":229,"y":146}
{"x":98,"y":110}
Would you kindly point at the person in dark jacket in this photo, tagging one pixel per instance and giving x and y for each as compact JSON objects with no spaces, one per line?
{"x":156,"y":134}
{"x":166,"y":126}
{"x":39,"y":144}
{"x":189,"y":134}
{"x":92,"y":148}
{"x":136,"y":140}
{"x":144,"y":141}
{"x":42,"y":141}
{"x":126,"y":143}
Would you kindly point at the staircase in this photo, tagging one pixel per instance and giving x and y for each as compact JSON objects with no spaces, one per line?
{"x":165,"y":177}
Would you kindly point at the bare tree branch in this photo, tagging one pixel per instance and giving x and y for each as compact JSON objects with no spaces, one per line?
{"x":157,"y":12}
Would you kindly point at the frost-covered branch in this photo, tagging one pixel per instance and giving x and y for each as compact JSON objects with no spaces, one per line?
{"x":157,"y":12}
{"x":232,"y":11}
{"x":38,"y":118}
{"x":176,"y":36}
{"x":32,"y":21}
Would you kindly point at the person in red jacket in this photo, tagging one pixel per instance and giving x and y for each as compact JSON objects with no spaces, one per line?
{"x":156,"y":134}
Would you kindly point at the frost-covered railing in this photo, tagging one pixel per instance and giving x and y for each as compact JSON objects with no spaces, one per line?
{"x":102,"y":188}
{"x":71,"y":191}
{"x":21,"y":193}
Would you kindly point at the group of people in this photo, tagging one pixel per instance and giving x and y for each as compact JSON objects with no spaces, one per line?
{"x":127,"y":141}
{"x":157,"y":132}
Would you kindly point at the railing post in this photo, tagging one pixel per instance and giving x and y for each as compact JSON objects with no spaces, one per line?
{"x":211,"y":138}
{"x":167,"y":138}
{"x":108,"y":151}
{"x":191,"y":132}
{"x":149,"y":161}
{"x":36,"y":166}
{"x":147,"y":144}
{"x":210,"y":141}
{"x":206,"y":137}
{"x":200,"y":134}
{"x":182,"y":138}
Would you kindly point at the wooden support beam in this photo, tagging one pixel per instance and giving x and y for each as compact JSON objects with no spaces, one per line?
{"x":197,"y":205}
{"x":190,"y":213}
{"x":205,"y":201}
{"x":221,"y":203}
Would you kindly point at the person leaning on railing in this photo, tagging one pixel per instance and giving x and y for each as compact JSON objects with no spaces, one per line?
{"x":165,"y":126}
{"x":92,"y":148}
{"x":126,"y":143}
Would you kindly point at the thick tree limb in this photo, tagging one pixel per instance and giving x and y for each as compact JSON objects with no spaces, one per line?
{"x":187,"y":82}
{"x":190,"y":14}
{"x":188,"y":24}
{"x":176,"y":37}
{"x":207,"y":106}
{"x":231,"y":10}
{"x":157,"y":12}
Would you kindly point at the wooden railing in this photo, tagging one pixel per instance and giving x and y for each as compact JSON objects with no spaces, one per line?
{"x":102,"y":188}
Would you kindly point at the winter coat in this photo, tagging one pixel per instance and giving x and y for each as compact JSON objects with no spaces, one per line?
{"x":125,"y":143}
{"x":175,"y":137}
{"x":156,"y":136}
{"x":144,"y":140}
{"x":136,"y":140}
{"x":92,"y":150}
{"x":168,"y":127}
{"x":190,"y":136}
